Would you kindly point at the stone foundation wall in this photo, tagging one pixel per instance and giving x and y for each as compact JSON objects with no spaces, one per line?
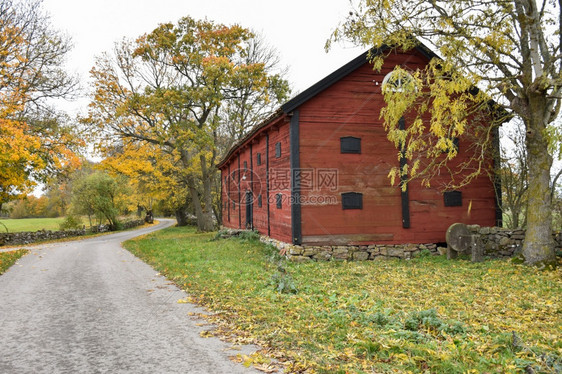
{"x":498,"y":243}
{"x":299,"y":253}
{"x":16,"y":238}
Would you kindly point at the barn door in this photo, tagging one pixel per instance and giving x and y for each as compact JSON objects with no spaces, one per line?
{"x":249,"y":210}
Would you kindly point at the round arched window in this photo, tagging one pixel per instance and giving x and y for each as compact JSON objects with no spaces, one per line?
{"x":398,"y":81}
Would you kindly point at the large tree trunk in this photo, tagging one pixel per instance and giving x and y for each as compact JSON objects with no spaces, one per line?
{"x":203,"y":214}
{"x":204,"y":218}
{"x":182,"y":215}
{"x":538,"y":246}
{"x":207,"y":194}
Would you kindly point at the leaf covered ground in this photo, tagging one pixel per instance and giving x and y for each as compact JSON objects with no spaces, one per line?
{"x":423,"y":315}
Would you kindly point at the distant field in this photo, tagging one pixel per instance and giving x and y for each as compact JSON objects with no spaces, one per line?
{"x":30,"y":224}
{"x":36,"y":224}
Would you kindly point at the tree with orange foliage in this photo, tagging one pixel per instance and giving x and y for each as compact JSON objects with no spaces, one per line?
{"x":169,"y":88}
{"x":34,"y":142}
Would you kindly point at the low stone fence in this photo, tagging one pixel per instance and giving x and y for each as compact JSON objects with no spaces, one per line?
{"x":499,"y":242}
{"x":132,"y":223}
{"x":124,"y":226}
{"x":16,"y":238}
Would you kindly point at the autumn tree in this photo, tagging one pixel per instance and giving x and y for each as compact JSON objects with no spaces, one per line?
{"x":59,"y":192}
{"x":30,"y":207}
{"x":98,"y":194}
{"x":508,"y":49}
{"x":34,"y":140}
{"x":247,"y":105}
{"x":154,"y":176}
{"x":169,"y":88}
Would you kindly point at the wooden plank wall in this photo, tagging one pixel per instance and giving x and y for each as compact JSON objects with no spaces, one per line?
{"x":280,"y":183}
{"x":351,"y":107}
{"x":254,"y":179}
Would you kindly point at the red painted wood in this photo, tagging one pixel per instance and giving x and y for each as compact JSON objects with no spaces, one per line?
{"x":280,"y":219}
{"x":351,"y":107}
{"x":280,"y":183}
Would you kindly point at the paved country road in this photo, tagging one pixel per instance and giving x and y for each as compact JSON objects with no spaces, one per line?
{"x":89,"y":306}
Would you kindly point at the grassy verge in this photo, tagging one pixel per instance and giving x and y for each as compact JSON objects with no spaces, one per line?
{"x":423,"y":315}
{"x":7,"y":259}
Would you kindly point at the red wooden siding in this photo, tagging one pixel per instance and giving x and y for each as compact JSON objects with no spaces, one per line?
{"x":279,"y":224}
{"x":260,"y":186}
{"x":351,"y":107}
{"x":280,"y":183}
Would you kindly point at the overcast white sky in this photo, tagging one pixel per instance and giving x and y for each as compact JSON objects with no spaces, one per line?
{"x":297,"y":28}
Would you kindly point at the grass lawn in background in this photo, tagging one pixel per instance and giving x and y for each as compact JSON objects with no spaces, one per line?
{"x":36,"y":224}
{"x":7,"y":259}
{"x":423,"y":315}
{"x":30,"y":224}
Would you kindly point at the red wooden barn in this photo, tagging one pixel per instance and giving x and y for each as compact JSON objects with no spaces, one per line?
{"x":316,"y":171}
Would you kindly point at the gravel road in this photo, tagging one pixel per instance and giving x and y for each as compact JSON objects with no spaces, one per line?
{"x":89,"y":306}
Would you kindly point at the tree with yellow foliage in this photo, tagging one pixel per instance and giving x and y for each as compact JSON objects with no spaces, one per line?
{"x":154,"y":176}
{"x":510,"y":49}
{"x":168,"y":88}
{"x":33,"y":139}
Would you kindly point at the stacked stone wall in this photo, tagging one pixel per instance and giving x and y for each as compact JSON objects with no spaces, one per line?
{"x":497,"y":242}
{"x":14,"y":238}
{"x":17,"y":238}
{"x":372,"y":252}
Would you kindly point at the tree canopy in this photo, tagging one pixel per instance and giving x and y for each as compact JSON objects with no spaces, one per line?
{"x":510,"y":50}
{"x":98,"y":194}
{"x":34,"y":142}
{"x":171,"y":88}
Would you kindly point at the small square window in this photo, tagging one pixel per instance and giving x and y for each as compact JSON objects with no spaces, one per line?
{"x":258,"y":158}
{"x":350,"y":144}
{"x":352,"y":200}
{"x":279,"y":200}
{"x":452,"y":198}
{"x":278,"y":149}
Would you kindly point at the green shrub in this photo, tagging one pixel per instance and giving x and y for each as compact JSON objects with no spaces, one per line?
{"x":249,"y":236}
{"x":71,"y":222}
{"x":116,"y":226}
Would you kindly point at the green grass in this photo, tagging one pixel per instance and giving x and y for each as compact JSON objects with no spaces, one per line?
{"x":36,"y":224}
{"x":30,"y":224}
{"x":423,"y":315}
{"x":7,"y":259}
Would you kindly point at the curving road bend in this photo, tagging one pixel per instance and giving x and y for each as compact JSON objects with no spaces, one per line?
{"x":89,"y":306}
